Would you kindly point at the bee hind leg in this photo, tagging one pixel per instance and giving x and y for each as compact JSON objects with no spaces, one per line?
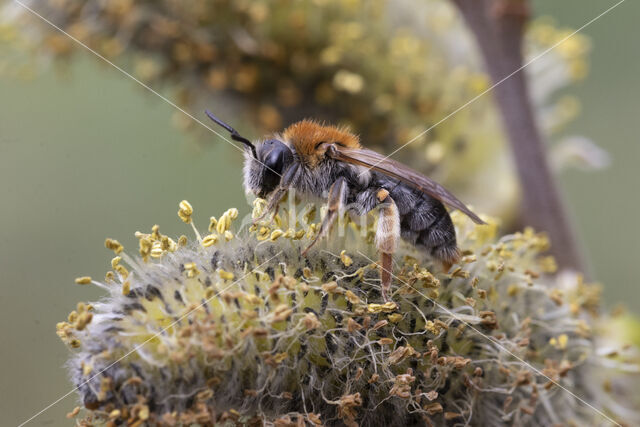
{"x":335,"y":205}
{"x":387,"y":236}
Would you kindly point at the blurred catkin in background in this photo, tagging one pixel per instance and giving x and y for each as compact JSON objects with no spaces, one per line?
{"x":389,"y":70}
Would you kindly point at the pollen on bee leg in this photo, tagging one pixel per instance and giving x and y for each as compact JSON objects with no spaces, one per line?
{"x":382,"y":195}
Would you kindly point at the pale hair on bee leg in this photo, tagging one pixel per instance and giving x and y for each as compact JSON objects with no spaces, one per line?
{"x":387,"y":236}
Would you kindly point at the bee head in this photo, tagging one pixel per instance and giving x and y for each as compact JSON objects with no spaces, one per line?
{"x":264,"y":164}
{"x":263,"y":173}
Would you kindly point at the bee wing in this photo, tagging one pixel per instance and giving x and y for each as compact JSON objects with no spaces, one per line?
{"x":397,"y":170}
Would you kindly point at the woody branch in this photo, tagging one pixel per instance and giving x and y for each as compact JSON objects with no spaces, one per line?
{"x":498,"y":27}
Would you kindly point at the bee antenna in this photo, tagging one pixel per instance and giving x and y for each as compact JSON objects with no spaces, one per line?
{"x":234,"y":133}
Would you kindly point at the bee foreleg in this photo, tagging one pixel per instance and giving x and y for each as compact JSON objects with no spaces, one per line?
{"x":272,"y":204}
{"x":288,"y":179}
{"x":335,"y":206}
{"x":387,"y":237}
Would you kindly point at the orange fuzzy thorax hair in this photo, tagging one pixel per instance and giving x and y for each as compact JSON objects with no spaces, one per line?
{"x":306,"y":135}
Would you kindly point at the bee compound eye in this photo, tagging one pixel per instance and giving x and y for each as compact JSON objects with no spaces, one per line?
{"x":278,"y":155}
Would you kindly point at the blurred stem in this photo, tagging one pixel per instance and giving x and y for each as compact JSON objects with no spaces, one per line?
{"x":498,"y":26}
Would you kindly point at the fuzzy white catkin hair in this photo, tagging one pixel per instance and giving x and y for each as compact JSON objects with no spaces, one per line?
{"x":242,"y":329}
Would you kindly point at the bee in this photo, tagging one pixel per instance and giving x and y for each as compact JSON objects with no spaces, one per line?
{"x":329,"y":163}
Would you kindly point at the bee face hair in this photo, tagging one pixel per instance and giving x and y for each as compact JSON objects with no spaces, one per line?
{"x":263,"y":173}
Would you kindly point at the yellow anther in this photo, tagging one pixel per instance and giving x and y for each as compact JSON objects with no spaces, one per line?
{"x":309,"y":321}
{"x":155,"y":232}
{"x":83,"y":320}
{"x":346,"y":259}
{"x":109,"y":277}
{"x":395,"y":317}
{"x":306,"y":272}
{"x":185,"y":211}
{"x":122,"y":271}
{"x":212,"y":224}
{"x":228,"y":235}
{"x":168,"y":244}
{"x":209,"y":240}
{"x":263,"y":234}
{"x":85,"y":280}
{"x":126,"y":288}
{"x":113,"y":245}
{"x":224,"y":223}
{"x":225,"y":275}
{"x":352,"y":298}
{"x":253,"y":299}
{"x":145,"y":247}
{"x":182,"y":240}
{"x":275,"y":235}
{"x":387,"y":307}
{"x":115,"y":261}
{"x":156,"y":250}
{"x":233,"y":213}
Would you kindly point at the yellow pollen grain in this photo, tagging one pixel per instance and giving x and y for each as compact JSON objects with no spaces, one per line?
{"x":85,"y":280}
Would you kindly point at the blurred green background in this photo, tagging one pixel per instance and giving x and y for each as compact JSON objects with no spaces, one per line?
{"x":86,"y":154}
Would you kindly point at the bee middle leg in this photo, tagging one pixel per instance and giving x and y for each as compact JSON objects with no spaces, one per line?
{"x":335,"y":205}
{"x":387,"y":236}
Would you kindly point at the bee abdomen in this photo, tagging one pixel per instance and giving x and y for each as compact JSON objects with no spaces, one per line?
{"x":426,"y":224}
